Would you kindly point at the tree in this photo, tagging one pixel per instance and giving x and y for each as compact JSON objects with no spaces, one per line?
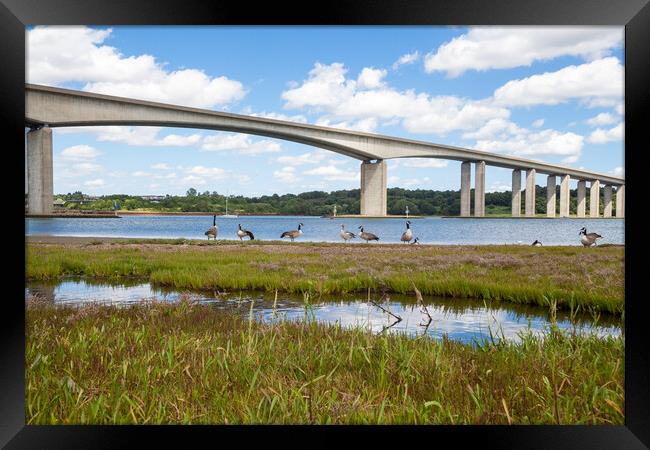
{"x":191,"y":192}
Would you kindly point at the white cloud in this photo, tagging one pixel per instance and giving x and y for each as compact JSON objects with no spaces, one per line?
{"x":600,"y":136}
{"x":56,"y":55}
{"x":601,"y":119}
{"x":619,"y":171}
{"x":538,"y":123}
{"x":408,"y":58}
{"x":371,"y":78}
{"x":193,"y":179}
{"x":503,"y":136}
{"x":286,"y":175}
{"x":94,"y":183}
{"x":273,"y":115}
{"x":485,"y":48}
{"x":424,"y":163}
{"x":138,"y":136}
{"x":161,"y":166}
{"x":333,"y":173}
{"x":140,"y":173}
{"x":241,"y":143}
{"x":598,"y":83}
{"x":499,"y":187}
{"x":314,"y":157}
{"x":80,"y":153}
{"x":327,"y":90}
{"x":212,"y":172}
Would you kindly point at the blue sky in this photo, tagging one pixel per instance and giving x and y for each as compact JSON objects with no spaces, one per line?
{"x":547,"y":93}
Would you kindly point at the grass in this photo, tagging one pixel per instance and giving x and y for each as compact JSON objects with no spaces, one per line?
{"x":189,"y":364}
{"x":591,"y":278}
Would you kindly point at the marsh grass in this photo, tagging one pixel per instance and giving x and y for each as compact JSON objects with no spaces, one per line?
{"x":591,"y":278}
{"x":188,"y":363}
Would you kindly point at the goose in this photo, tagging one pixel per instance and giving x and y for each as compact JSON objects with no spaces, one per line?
{"x":293,"y":233}
{"x":588,"y":239}
{"x":415,"y":241}
{"x":347,"y":235}
{"x":408,"y":234}
{"x":536,"y":243}
{"x":367,"y":236}
{"x":213,"y":230}
{"x":242,"y":233}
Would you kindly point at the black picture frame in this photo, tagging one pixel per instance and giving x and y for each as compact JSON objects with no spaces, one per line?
{"x":633,"y":14}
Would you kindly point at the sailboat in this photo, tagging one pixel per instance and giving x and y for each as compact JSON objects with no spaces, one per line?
{"x":228,"y":216}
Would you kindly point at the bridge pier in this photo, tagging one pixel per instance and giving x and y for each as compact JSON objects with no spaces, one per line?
{"x":516,"y":193}
{"x":565,"y":196}
{"x":607,"y":210}
{"x":530,"y":192}
{"x":620,"y":201}
{"x":39,"y":171}
{"x":550,"y":196}
{"x":465,"y":180}
{"x":582,"y":198}
{"x":479,"y":189}
{"x":594,"y":199}
{"x":373,"y":188}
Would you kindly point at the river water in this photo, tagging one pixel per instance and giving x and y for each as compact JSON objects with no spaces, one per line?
{"x":458,"y":319}
{"x":429,"y":230}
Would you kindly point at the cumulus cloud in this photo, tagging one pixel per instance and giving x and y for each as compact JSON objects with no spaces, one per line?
{"x":619,"y":171}
{"x":502,"y":136}
{"x":598,"y":83}
{"x":601,"y":119}
{"x":80,"y":153}
{"x":333,"y":173}
{"x":286,"y":175}
{"x":371,"y":78}
{"x":137,"y":136}
{"x":423,"y":163}
{"x":600,"y":136}
{"x":161,"y":166}
{"x":94,"y":183}
{"x":538,"y":123}
{"x":327,"y":90}
{"x":314,"y":157}
{"x":58,"y":55}
{"x":241,"y":143}
{"x":485,"y":48}
{"x":408,"y":58}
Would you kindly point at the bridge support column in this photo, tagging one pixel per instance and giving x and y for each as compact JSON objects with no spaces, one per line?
{"x":565,"y":196}
{"x":516,"y":193}
{"x":550,"y":196}
{"x":39,"y":171}
{"x":594,"y":199}
{"x":582,"y":198}
{"x":530,"y":192}
{"x":479,"y":189}
{"x":607,"y":210}
{"x":620,"y":201}
{"x":465,"y":180}
{"x":373,"y":188}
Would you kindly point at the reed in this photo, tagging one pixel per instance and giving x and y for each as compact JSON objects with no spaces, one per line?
{"x":591,"y":278}
{"x":192,"y":364}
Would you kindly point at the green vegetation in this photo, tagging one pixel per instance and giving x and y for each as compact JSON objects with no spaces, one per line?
{"x":185,"y":363}
{"x":592,"y":278}
{"x":319,"y":203}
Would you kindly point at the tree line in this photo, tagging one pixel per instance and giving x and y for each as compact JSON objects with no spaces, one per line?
{"x":317,"y":203}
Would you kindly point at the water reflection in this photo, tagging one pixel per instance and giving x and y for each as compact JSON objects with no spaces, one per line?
{"x":458,"y":319}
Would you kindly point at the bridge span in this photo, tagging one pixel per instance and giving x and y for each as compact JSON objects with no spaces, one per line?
{"x":47,"y":107}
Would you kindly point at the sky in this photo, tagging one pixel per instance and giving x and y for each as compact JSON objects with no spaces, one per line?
{"x":552,"y":94}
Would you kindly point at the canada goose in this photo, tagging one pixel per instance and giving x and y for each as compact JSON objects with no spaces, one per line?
{"x":408,"y":234}
{"x":241,"y":233}
{"x":213,"y":230}
{"x":415,"y":241}
{"x":347,"y":235}
{"x":588,"y":239}
{"x":367,"y":236}
{"x":293,"y":233}
{"x":536,"y":243}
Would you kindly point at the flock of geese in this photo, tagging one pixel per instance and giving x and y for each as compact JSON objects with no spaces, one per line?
{"x":587,"y":239}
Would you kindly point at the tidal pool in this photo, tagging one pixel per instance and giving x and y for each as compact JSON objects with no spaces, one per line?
{"x":464,"y":320}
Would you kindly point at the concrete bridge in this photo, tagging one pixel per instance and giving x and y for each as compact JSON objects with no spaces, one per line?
{"x":48,"y":107}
